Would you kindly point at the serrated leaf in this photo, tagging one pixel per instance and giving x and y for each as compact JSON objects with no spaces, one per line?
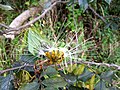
{"x":107,"y":76}
{"x":33,"y":42}
{"x":79,"y":70}
{"x":108,"y":1}
{"x":91,"y":85}
{"x":6,"y":7}
{"x":30,"y":86}
{"x":55,"y":82}
{"x":100,"y":85}
{"x":50,"y":71}
{"x":37,"y":43}
{"x":28,"y":58}
{"x":71,"y":68}
{"x":86,"y":75}
{"x":70,"y":78}
{"x":83,"y":4}
{"x":5,"y":82}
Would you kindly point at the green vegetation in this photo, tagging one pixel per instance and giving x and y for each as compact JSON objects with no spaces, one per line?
{"x":74,"y":46}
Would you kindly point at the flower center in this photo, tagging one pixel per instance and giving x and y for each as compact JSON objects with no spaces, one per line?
{"x":55,"y":56}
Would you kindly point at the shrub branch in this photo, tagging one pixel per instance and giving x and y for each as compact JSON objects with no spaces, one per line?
{"x":100,"y":64}
{"x":79,"y":62}
{"x":14,"y":68}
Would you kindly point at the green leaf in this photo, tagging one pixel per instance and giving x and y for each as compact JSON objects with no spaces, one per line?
{"x":92,"y":81}
{"x":74,"y":88}
{"x":6,"y":7}
{"x":27,"y":3}
{"x":107,"y":76}
{"x":5,"y":82}
{"x":86,"y":75}
{"x":1,"y":68}
{"x":79,"y":70}
{"x":114,"y":26}
{"x":33,"y":42}
{"x":83,"y":4}
{"x":108,"y":1}
{"x":100,"y":85}
{"x":70,"y":78}
{"x":30,"y":86}
{"x":50,"y":71}
{"x":55,"y":82}
{"x":35,"y":2}
{"x":37,"y":43}
{"x":28,"y":58}
{"x":51,"y":88}
{"x":24,"y":76}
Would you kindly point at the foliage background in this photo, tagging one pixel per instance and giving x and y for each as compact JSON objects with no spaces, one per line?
{"x":100,"y":25}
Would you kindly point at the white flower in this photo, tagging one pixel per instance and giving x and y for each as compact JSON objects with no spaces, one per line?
{"x":71,"y":51}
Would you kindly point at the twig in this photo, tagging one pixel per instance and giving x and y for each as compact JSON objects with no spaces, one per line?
{"x":4,"y":31}
{"x":10,"y":69}
{"x":3,"y":25}
{"x":97,"y":14}
{"x":79,"y":62}
{"x":111,"y":16}
{"x":100,"y":64}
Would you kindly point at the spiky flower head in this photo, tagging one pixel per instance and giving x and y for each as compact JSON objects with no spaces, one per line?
{"x":71,"y":51}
